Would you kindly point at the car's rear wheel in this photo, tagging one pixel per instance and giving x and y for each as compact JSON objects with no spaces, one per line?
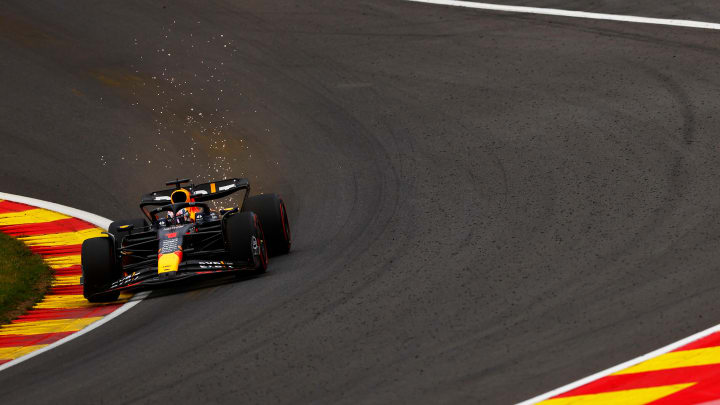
{"x":99,"y":269}
{"x":246,"y":241}
{"x":273,"y":216}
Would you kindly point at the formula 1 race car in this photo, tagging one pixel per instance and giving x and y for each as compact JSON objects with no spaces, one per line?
{"x":182,"y":237}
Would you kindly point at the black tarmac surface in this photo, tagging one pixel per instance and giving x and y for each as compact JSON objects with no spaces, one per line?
{"x":485,"y":205}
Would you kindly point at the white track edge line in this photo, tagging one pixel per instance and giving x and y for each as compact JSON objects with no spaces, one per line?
{"x":575,"y":14}
{"x":63,"y":209}
{"x":629,"y":363}
{"x":95,"y":220}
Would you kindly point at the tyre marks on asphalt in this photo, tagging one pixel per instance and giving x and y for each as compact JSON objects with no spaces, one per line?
{"x":63,"y":311}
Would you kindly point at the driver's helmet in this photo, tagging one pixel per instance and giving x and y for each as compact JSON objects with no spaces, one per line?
{"x":185,"y":215}
{"x":180,"y":195}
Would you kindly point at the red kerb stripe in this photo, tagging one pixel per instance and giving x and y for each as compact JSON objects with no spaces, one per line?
{"x":64,"y":250}
{"x":59,"y":226}
{"x":707,"y":341}
{"x":75,"y":270}
{"x":32,"y":340}
{"x":9,"y":206}
{"x":70,"y":313}
{"x":618,"y":382}
{"x":66,"y":290}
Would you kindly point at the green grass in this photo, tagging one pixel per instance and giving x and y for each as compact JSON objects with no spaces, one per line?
{"x":24,"y":278}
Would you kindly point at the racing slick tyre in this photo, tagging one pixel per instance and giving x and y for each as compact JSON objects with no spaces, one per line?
{"x":137,"y":223}
{"x":246,"y":241}
{"x":99,"y":269}
{"x":273,"y":216}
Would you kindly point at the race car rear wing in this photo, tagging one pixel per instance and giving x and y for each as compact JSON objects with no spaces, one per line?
{"x":199,"y":192}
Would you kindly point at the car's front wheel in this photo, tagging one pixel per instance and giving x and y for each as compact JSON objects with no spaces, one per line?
{"x":246,"y":241}
{"x":99,"y":269}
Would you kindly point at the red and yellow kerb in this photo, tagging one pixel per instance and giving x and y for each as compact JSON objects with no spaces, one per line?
{"x":689,"y":374}
{"x":63,"y":311}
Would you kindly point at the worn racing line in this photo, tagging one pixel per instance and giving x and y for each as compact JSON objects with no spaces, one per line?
{"x":486,"y":206}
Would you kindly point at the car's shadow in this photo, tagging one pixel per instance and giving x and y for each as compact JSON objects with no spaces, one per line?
{"x":196,"y":284}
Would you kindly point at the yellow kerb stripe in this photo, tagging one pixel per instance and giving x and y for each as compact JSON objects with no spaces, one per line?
{"x":9,"y":353}
{"x":685,"y":358}
{"x":62,"y":239}
{"x":66,"y":280}
{"x":626,"y":397}
{"x":67,"y":301}
{"x":49,"y":326}
{"x":34,"y":216}
{"x":63,"y":261}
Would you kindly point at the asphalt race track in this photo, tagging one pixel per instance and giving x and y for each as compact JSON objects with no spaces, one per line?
{"x":485,"y":205}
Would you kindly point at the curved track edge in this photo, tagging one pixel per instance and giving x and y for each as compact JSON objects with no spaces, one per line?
{"x":55,"y":232}
{"x":686,"y":371}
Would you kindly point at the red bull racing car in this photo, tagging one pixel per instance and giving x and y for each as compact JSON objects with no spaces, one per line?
{"x":182,"y":237}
